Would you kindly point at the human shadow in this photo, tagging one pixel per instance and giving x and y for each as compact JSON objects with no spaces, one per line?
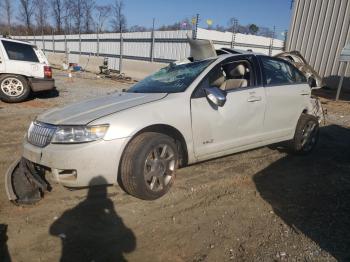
{"x":4,"y":252}
{"x":312,"y":193}
{"x":93,"y":231}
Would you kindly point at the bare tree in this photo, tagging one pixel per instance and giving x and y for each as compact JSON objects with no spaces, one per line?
{"x":68,"y":16}
{"x":137,"y":28}
{"x":77,"y":13}
{"x":41,"y":14}
{"x":253,"y":29}
{"x":118,"y":20}
{"x":26,"y":11}
{"x":103,"y":12}
{"x":57,"y":11}
{"x":88,"y":8}
{"x":7,"y":4}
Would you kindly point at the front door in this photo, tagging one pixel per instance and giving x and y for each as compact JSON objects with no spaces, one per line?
{"x":218,"y":130}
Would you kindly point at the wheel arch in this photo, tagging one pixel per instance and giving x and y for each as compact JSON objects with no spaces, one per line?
{"x":163,"y":129}
{"x":169,"y":131}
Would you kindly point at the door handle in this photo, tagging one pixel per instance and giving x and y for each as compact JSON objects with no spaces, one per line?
{"x":254,"y":98}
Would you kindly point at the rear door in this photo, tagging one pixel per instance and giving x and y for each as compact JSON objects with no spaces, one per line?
{"x":286,"y":90}
{"x":219,"y":130}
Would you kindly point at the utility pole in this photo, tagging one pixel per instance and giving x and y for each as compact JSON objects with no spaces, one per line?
{"x":234,"y":31}
{"x":121,"y":48}
{"x":98,"y":39}
{"x":271,"y":41}
{"x":196,"y":27}
{"x":285,"y":40}
{"x":152,"y":41}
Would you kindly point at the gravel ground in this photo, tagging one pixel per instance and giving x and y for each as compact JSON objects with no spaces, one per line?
{"x":262,"y":204}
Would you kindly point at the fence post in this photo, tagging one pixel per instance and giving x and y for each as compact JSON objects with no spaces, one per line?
{"x":121,"y":52}
{"x":341,"y":80}
{"x":53,"y":41}
{"x":79,"y":44}
{"x":65,"y":47}
{"x":152,"y":43}
{"x":271,"y":41}
{"x":43,"y":41}
{"x":98,"y":42}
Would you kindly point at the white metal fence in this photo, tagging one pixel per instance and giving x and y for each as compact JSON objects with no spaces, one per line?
{"x":162,"y":46}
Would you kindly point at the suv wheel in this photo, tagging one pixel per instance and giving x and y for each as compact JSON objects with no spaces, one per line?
{"x":13,"y":88}
{"x":306,"y":134}
{"x":148,"y":165}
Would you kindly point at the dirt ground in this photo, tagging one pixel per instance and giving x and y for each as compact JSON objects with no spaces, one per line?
{"x":260,"y":205}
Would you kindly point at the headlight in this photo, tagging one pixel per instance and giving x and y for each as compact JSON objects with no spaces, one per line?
{"x":78,"y":134}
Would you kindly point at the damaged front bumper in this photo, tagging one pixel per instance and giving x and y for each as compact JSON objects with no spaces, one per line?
{"x":71,"y":165}
{"x":25,"y":182}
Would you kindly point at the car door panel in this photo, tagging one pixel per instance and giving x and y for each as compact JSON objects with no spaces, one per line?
{"x":286,"y":89}
{"x":284,"y":105}
{"x":239,"y":122}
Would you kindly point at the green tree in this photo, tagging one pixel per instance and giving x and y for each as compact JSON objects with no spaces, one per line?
{"x":253,"y":29}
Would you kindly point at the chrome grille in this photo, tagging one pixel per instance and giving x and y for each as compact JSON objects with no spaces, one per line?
{"x":40,"y":134}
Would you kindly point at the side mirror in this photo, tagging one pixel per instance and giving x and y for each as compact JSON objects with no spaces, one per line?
{"x":215,"y":95}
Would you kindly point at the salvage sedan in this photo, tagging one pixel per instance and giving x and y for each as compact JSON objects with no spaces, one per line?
{"x":184,"y":113}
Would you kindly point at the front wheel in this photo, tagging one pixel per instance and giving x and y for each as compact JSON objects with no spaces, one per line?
{"x":13,"y":88}
{"x":148,"y":165}
{"x":306,"y":135}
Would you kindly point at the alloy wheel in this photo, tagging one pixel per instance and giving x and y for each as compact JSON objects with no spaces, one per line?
{"x":12,"y":87}
{"x":159,"y":167}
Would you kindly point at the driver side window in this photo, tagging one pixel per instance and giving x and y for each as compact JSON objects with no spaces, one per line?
{"x":232,"y":75}
{"x":228,"y":76}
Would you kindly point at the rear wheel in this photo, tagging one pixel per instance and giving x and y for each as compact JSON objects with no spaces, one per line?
{"x":306,"y":134}
{"x":148,"y":165}
{"x":13,"y":88}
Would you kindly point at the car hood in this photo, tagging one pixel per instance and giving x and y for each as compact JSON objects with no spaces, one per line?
{"x":84,"y":112}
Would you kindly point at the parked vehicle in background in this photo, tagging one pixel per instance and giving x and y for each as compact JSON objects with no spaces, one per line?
{"x":23,"y":69}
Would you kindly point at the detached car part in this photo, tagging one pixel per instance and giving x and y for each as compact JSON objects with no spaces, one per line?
{"x":25,"y":182}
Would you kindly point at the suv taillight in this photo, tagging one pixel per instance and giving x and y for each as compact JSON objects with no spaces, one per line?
{"x":47,"y":72}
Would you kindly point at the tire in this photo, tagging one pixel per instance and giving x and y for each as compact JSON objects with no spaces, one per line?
{"x":13,"y":88}
{"x":306,"y":135}
{"x":148,"y":165}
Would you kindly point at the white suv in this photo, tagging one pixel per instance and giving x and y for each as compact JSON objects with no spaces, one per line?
{"x":183,"y":114}
{"x":23,"y":68}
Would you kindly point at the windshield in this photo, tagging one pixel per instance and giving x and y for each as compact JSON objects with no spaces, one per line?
{"x":171,"y":79}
